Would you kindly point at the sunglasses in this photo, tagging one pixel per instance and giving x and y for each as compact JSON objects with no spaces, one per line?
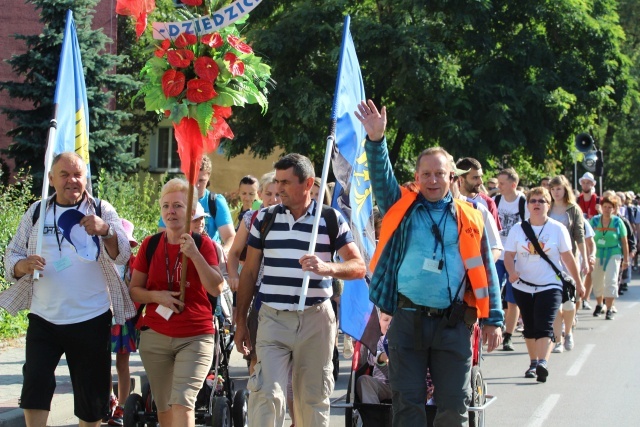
{"x":534,"y":201}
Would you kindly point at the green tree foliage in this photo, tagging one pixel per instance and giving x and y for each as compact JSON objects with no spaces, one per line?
{"x":37,"y":70}
{"x":481,"y":78}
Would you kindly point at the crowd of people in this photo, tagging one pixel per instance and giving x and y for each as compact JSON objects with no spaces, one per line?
{"x":451,"y":251}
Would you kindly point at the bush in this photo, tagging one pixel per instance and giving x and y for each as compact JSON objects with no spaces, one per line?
{"x":14,"y":201}
{"x":134,"y":197}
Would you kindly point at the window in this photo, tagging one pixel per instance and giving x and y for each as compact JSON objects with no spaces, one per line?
{"x":164,"y":151}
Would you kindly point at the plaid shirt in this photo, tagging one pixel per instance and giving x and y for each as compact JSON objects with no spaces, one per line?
{"x":18,"y":296}
{"x":383,"y":290}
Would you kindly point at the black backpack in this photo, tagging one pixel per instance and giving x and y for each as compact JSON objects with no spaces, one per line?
{"x":327,"y":212}
{"x":155,"y":239}
{"x":521,"y":204}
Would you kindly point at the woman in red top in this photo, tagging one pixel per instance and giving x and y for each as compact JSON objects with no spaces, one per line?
{"x":176,"y":342}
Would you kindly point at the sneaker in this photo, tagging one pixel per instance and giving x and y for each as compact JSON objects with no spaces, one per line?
{"x":542,"y":372}
{"x":568,"y":342}
{"x":520,"y":327}
{"x":507,"y":345}
{"x":586,"y":305}
{"x":598,"y":311}
{"x":116,"y":418}
{"x":558,"y":348}
{"x":113,"y":403}
{"x":609,"y":315}
{"x":531,"y":372}
{"x":614,"y":309}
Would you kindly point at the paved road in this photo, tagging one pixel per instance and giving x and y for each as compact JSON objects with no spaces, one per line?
{"x":598,"y":383}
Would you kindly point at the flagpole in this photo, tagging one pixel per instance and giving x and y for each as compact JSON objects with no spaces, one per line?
{"x":48,"y":158}
{"x":316,"y":219}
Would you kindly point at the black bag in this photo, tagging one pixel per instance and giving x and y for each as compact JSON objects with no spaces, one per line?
{"x":568,"y":284}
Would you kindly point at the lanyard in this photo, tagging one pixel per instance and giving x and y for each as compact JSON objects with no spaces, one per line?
{"x":435,"y":229}
{"x":55,"y":223}
{"x":541,"y":230}
{"x":166,"y":260}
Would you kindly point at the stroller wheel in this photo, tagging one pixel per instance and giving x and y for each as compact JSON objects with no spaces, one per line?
{"x":478,"y":395}
{"x":240,"y":408}
{"x":221,"y":414}
{"x":134,"y":411}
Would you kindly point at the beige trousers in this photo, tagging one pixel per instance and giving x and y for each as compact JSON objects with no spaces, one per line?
{"x":304,"y":341}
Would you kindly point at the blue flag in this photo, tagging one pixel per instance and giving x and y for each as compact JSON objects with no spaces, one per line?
{"x":71,"y":109}
{"x":352,"y":194}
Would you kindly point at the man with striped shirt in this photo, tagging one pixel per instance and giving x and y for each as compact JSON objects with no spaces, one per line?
{"x":286,"y":337}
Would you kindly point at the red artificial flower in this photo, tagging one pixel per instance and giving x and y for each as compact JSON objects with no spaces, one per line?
{"x":213,"y":40}
{"x":199,"y":90}
{"x":206,"y":68}
{"x":162,"y":50}
{"x":238,"y":44}
{"x":172,"y":83}
{"x":235,"y":67}
{"x":184,"y":40}
{"x":180,"y":58}
{"x":192,"y":2}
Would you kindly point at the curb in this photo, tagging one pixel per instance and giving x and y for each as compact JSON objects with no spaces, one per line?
{"x":61,"y":405}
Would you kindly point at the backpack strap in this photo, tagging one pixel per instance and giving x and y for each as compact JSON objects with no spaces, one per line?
{"x":155,"y":240}
{"x":36,"y":213}
{"x":497,"y":200}
{"x":331,"y":219}
{"x":213,"y":206}
{"x":521,"y":207}
{"x":267,"y":222}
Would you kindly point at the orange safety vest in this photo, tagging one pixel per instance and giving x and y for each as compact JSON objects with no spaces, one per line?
{"x":470,"y":225}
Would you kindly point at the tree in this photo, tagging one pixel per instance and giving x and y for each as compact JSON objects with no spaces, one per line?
{"x":38,"y":67}
{"x":481,"y":78}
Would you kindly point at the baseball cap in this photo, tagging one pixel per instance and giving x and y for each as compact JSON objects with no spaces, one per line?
{"x":87,"y":247}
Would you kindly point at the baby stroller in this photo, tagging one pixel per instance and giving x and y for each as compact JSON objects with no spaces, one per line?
{"x":381,"y":415}
{"x":218,"y":404}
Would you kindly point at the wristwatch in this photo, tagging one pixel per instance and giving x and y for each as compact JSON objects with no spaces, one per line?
{"x":110,"y":233}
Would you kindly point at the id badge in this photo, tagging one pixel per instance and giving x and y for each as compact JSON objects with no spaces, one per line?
{"x":431,"y":265}
{"x":163,"y":311}
{"x":62,"y":264}
{"x":602,"y":242}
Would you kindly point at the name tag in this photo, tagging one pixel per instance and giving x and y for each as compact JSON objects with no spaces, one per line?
{"x":432,"y":265}
{"x":601,"y":242}
{"x":62,"y":264}
{"x":165,"y":312}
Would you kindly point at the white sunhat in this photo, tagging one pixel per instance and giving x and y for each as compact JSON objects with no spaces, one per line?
{"x":588,"y":176}
{"x":199,"y":212}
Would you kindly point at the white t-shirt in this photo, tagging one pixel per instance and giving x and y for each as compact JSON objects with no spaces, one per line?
{"x":509,"y":214}
{"x":554,"y":240}
{"x":72,"y":294}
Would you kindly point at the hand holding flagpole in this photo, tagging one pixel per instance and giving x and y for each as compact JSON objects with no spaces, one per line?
{"x":316,"y":219}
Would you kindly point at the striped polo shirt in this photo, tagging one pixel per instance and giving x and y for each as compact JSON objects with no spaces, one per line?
{"x":287,"y":242}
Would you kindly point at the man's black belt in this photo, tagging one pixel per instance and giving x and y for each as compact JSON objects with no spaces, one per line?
{"x":404,"y":302}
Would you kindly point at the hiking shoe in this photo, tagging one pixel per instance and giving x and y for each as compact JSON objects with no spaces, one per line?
{"x":598,"y":311}
{"x":542,"y":372}
{"x":531,"y":372}
{"x":609,"y":315}
{"x":568,"y":342}
{"x":507,"y":345}
{"x":116,"y":418}
{"x":558,"y":348}
{"x":586,"y":305}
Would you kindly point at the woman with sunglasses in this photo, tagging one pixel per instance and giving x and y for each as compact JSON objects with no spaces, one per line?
{"x":536,"y":287}
{"x":565,"y":210}
{"x":612,"y":253}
